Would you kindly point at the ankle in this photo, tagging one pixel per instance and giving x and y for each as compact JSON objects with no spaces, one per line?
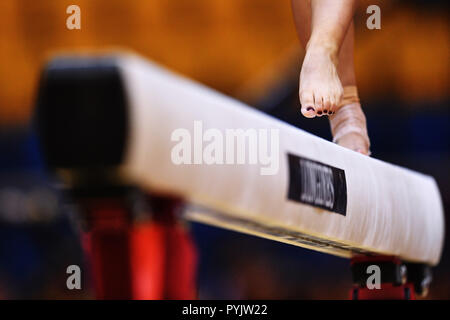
{"x":319,"y":45}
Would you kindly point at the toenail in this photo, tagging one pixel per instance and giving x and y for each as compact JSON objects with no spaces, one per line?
{"x":319,"y":112}
{"x":325,"y":111}
{"x":310,"y":109}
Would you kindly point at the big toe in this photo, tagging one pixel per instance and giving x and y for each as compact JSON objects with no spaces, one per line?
{"x":307,"y":102}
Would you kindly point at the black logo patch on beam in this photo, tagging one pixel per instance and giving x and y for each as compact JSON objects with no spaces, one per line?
{"x":317,"y":184}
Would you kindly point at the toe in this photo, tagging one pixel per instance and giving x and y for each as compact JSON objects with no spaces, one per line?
{"x":333,"y":104}
{"x":327,"y":106}
{"x":318,"y":104}
{"x":307,"y":102}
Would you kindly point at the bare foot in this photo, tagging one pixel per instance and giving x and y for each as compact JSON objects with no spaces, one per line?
{"x":320,"y":87}
{"x":349,"y":127}
{"x":355,"y":142}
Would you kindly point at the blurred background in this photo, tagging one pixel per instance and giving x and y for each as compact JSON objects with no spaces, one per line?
{"x":247,"y":49}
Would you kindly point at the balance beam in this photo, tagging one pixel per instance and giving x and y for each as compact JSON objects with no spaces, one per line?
{"x":238,"y":168}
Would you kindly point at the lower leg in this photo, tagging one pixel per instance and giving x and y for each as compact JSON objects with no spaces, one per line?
{"x":348,"y":125}
{"x":320,"y":86}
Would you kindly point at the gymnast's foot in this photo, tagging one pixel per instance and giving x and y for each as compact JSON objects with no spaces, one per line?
{"x":355,"y":142}
{"x":348,"y":124}
{"x":320,"y":87}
